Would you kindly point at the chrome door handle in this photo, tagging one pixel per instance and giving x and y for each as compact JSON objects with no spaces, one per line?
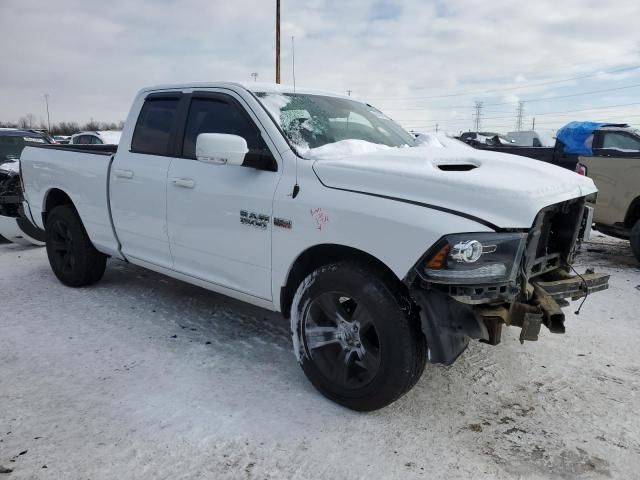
{"x":183,"y":182}
{"x":123,"y":173}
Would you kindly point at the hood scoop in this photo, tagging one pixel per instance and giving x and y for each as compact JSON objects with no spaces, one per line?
{"x":457,"y":167}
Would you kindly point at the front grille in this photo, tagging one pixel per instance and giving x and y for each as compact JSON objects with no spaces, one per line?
{"x":552,"y":239}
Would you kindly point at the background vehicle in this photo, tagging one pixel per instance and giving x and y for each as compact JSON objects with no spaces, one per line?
{"x":322,"y":208}
{"x":614,"y":166}
{"x":532,"y":138}
{"x":62,"y":139}
{"x":574,"y":140}
{"x":14,"y":225}
{"x":103,"y":137}
{"x":485,"y":138}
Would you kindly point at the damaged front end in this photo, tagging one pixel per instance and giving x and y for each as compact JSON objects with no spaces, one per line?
{"x":469,"y":285}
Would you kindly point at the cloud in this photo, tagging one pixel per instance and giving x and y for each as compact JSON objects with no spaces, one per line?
{"x":511,"y":98}
{"x":92,"y":57}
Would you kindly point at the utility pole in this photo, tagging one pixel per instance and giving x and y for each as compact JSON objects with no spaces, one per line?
{"x":437,"y":128}
{"x":533,"y":124}
{"x":293,"y":61}
{"x":277,"y":41}
{"x":46,"y":101}
{"x":255,"y":76}
{"x":348,"y":93}
{"x":478,"y":115}
{"x":520,"y":114}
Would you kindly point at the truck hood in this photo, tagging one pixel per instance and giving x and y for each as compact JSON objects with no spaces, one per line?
{"x":504,"y":190}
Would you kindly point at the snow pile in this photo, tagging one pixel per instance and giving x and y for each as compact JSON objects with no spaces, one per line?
{"x":10,"y":166}
{"x":428,"y":140}
{"x":274,"y":103}
{"x":345,"y":148}
{"x":110,"y":137}
{"x":174,"y":381}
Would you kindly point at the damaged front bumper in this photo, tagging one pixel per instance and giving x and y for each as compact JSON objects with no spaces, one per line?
{"x":449,"y":324}
{"x":544,"y":306}
{"x":452,"y":312}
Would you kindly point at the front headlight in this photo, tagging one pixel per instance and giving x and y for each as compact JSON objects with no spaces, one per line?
{"x":478,"y":258}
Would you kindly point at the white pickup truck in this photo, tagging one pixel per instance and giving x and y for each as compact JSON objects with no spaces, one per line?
{"x":385,"y":251}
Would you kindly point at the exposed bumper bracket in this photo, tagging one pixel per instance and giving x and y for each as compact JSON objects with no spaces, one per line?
{"x":575,"y":287}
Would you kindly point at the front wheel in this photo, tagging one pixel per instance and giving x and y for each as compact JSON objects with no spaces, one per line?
{"x":356,"y":342}
{"x":72,"y":256}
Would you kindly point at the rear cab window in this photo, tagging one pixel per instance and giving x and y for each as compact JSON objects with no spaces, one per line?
{"x":152,"y":135}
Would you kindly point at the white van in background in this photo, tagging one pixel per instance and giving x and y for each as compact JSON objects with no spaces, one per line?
{"x":533,"y":138}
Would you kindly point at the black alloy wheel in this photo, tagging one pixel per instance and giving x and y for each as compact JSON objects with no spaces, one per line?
{"x":355,"y":338}
{"x":72,"y":256}
{"x":341,"y":338}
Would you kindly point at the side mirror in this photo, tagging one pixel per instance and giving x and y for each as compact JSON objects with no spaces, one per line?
{"x":221,"y":148}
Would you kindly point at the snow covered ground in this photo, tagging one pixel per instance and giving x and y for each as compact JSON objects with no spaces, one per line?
{"x":142,"y":376}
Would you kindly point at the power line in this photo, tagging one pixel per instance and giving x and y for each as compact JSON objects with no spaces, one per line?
{"x":542,"y":99}
{"x":505,"y":89}
{"x":538,"y":99}
{"x":605,"y":107}
{"x":559,"y":113}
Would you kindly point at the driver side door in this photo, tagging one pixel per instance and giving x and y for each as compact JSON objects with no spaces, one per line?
{"x":219,"y":216}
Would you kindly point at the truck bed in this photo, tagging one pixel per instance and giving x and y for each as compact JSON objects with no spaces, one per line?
{"x":82,"y":172}
{"x":97,"y":149}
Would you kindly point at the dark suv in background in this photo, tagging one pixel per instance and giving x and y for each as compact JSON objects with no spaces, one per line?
{"x":13,"y":223}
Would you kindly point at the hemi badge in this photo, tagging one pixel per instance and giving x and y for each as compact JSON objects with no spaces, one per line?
{"x":281,"y":222}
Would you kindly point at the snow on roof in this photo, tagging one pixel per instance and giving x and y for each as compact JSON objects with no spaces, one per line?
{"x":254,"y":87}
{"x":110,"y":137}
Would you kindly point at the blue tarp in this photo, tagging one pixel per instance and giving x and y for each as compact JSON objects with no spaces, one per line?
{"x":574,"y":136}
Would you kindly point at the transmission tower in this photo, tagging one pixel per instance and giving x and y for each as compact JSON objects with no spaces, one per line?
{"x":478,"y":116}
{"x":519,"y":115}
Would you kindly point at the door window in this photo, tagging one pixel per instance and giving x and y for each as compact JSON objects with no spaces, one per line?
{"x":620,"y":141}
{"x":209,"y":115}
{"x":155,"y":123}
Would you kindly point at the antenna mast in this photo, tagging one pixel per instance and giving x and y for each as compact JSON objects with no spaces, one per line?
{"x":277,"y":41}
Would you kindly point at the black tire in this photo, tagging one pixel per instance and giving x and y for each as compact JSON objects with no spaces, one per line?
{"x":33,"y":233}
{"x":371,"y":350}
{"x":72,"y":256}
{"x":635,"y":240}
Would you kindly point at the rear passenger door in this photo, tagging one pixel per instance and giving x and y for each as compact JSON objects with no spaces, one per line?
{"x":210,"y":207}
{"x":138,"y":182}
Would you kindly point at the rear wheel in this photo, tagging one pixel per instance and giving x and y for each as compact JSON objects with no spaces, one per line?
{"x":73,"y":258}
{"x":355,"y":342}
{"x":635,"y":240}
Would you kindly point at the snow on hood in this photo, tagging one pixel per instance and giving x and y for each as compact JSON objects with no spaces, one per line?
{"x":505,"y":190}
{"x":344,"y":148}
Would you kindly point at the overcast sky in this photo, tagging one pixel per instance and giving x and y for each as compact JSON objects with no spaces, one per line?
{"x":92,"y":57}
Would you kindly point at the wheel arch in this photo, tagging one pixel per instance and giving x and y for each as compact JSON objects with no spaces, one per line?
{"x":324,"y":254}
{"x":52,"y":199}
{"x":633,"y":213}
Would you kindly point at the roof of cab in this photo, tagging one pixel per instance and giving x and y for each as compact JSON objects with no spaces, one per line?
{"x":254,"y":87}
